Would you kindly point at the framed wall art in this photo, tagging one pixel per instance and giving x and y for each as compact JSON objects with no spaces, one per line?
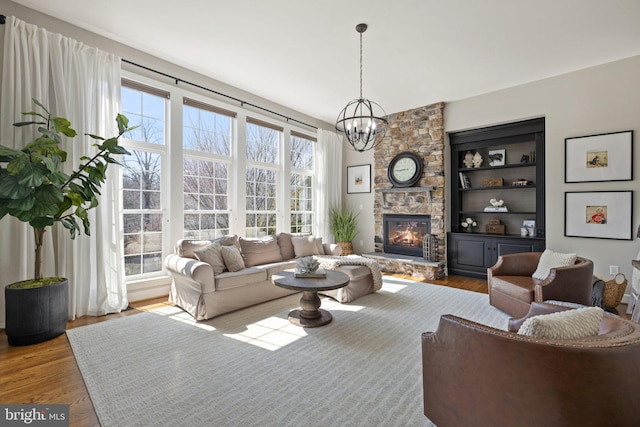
{"x":359,"y":179}
{"x":596,"y":158}
{"x":598,"y":214}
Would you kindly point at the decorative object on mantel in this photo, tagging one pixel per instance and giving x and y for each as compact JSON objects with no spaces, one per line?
{"x":468,"y":224}
{"x":430,"y":247}
{"x":477,"y":160}
{"x":496,"y":206}
{"x":363,"y":127}
{"x":494,"y":227}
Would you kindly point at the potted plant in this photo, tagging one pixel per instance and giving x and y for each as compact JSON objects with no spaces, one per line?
{"x":35,"y":190}
{"x":344,"y":227}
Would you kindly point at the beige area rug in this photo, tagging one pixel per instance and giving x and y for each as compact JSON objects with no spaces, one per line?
{"x":253,"y":368}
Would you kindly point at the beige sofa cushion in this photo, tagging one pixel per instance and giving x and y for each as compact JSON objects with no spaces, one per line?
{"x":260,"y":251}
{"x":232,"y":258}
{"x":212,"y":255}
{"x":247,"y":276}
{"x":306,"y":246}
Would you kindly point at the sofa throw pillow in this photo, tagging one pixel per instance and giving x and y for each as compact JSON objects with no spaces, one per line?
{"x":564,"y":325}
{"x":550,"y":259}
{"x":228,"y":240}
{"x":232,"y":258}
{"x":212,"y":255}
{"x":260,"y":251}
{"x":319,"y":246}
{"x":286,"y":246}
{"x":305,"y":246}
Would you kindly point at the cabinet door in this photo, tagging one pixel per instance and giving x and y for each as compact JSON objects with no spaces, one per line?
{"x":467,"y":254}
{"x":511,"y":246}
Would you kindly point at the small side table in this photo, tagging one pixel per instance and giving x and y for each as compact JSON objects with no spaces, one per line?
{"x":310,"y":315}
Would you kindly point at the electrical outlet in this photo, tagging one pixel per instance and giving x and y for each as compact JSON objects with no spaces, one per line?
{"x":361,"y":243}
{"x":614,"y":269}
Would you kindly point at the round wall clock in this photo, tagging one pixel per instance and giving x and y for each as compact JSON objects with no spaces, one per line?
{"x":405,"y":169}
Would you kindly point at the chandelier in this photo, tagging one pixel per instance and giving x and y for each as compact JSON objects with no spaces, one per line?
{"x":363,"y":127}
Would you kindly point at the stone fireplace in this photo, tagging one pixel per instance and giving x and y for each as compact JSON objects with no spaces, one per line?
{"x":421,"y":131}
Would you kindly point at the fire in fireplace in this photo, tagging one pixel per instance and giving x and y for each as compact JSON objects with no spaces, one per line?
{"x":403,"y":234}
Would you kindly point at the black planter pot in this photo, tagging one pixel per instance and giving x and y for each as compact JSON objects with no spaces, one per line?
{"x":37,"y":314}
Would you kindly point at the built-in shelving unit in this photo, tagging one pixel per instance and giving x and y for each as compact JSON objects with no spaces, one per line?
{"x":522,"y":145}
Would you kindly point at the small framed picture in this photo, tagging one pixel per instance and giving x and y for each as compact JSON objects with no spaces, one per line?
{"x":599,"y":214}
{"x":530,"y":226}
{"x":497,"y":157}
{"x":359,"y":179}
{"x":597,"y":158}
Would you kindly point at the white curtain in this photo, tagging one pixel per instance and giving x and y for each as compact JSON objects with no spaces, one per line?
{"x":329,"y":180}
{"x":82,"y":84}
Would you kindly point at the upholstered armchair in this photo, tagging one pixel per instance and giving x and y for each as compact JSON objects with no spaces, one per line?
{"x":475,"y":375}
{"x":512,"y":288}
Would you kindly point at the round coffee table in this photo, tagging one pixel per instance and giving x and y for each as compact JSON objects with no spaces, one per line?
{"x":310,"y":315}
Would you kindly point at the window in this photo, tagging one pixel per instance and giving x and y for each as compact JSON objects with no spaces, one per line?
{"x":263,"y":147}
{"x":301,"y":183}
{"x":184,"y":183}
{"x":206,"y":142}
{"x":142,"y":191}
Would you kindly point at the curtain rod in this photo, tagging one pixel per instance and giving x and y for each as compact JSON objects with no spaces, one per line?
{"x":242,"y":103}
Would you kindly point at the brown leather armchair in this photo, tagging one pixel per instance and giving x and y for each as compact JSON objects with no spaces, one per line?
{"x":512,"y":289}
{"x":475,"y":375}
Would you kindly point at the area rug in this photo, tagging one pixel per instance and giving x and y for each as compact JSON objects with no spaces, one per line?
{"x":254,"y":368}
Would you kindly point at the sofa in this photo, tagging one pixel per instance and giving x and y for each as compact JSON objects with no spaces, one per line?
{"x":210,"y":278}
{"x":477,"y":375}
{"x":512,"y":287}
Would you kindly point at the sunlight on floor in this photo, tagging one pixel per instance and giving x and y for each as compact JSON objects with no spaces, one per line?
{"x":271,"y":333}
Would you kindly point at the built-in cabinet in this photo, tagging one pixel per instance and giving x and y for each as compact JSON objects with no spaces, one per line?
{"x":499,"y":163}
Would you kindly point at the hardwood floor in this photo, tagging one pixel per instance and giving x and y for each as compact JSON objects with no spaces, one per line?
{"x":47,"y":373}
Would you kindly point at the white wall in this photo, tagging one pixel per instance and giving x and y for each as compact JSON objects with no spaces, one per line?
{"x":596,"y":100}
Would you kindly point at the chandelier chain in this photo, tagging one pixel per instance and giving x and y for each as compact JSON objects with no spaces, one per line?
{"x":360,"y":65}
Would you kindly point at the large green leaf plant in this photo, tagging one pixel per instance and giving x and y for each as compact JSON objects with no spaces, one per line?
{"x":35,"y":189}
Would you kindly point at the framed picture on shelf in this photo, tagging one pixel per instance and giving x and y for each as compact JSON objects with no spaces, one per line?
{"x":497,"y":157}
{"x":530,"y":226}
{"x":598,"y":214}
{"x":359,"y":179}
{"x":597,"y":158}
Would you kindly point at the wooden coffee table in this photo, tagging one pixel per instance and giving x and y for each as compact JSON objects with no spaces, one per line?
{"x":310,"y":315}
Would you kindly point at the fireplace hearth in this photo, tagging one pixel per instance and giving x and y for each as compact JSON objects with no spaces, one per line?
{"x":404,"y":234}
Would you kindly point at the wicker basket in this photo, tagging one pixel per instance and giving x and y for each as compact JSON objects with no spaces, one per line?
{"x":614,"y":291}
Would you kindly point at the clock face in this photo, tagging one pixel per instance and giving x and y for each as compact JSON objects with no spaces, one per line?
{"x":405,"y":169}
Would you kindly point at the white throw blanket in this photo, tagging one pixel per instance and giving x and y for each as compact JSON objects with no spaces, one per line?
{"x":330,"y":262}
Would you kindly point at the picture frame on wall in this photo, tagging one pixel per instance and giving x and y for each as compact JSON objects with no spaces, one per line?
{"x":359,"y":179}
{"x":599,"y":214}
{"x":599,"y":158}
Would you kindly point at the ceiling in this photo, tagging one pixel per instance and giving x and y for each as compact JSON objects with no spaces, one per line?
{"x":304,"y":54}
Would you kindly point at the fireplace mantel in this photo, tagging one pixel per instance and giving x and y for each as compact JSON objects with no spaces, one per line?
{"x":426,"y":190}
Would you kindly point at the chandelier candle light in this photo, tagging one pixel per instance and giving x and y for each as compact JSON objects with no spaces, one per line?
{"x":363,"y":127}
